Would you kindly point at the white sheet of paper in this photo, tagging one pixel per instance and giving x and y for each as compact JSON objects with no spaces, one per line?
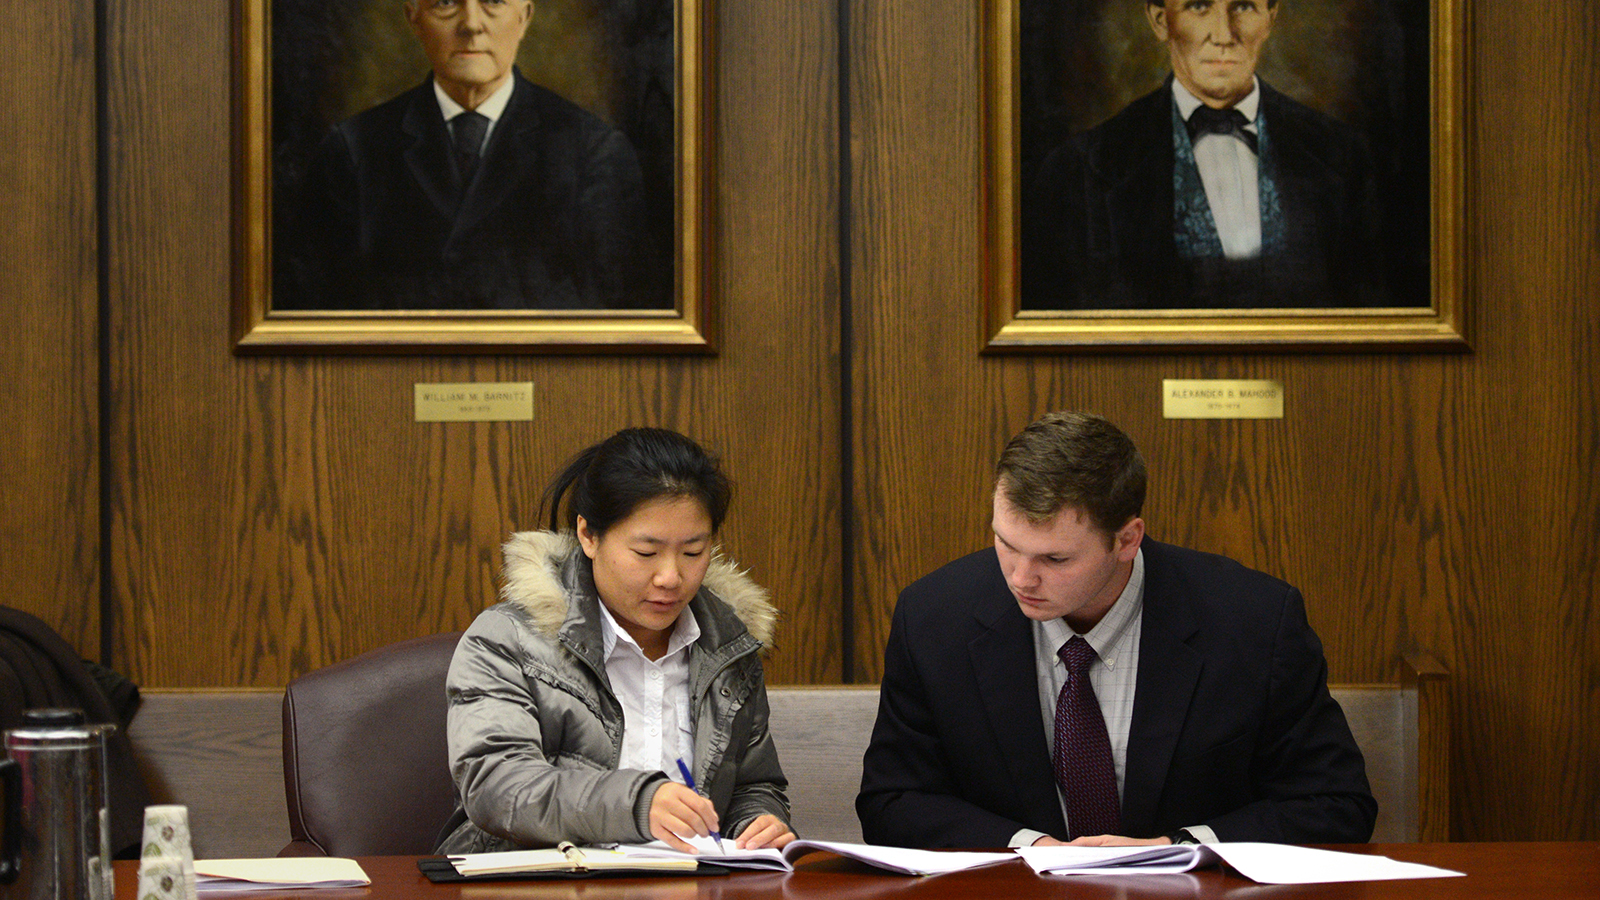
{"x":1072,"y":860}
{"x":900,"y":859}
{"x":706,"y":850}
{"x":278,"y":873}
{"x":1261,"y":863}
{"x":1285,"y":864}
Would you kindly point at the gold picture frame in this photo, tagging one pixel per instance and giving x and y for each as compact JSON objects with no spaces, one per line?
{"x":688,"y":326}
{"x":1437,"y":321}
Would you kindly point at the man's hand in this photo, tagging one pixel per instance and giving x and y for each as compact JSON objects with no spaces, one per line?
{"x":766,"y":830}
{"x":1117,"y":840}
{"x":1102,"y":840}
{"x":677,"y":813}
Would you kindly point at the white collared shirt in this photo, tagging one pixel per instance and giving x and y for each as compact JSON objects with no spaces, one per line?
{"x":1114,"y":676}
{"x":492,"y":108}
{"x":1231,"y":174}
{"x":1115,"y":638}
{"x":657,"y":729}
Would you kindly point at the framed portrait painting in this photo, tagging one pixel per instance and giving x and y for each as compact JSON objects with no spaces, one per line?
{"x":473,"y":176}
{"x":1224,"y":174}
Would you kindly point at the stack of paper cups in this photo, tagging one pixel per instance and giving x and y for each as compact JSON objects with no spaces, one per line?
{"x":166,"y":857}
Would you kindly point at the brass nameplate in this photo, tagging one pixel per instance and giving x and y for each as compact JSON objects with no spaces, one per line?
{"x":1221,"y":398}
{"x":507,"y":401}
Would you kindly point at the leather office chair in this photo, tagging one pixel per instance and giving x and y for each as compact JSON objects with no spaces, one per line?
{"x":365,"y":770}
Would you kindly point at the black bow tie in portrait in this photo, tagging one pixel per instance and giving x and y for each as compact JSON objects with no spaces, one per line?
{"x":1207,"y":120}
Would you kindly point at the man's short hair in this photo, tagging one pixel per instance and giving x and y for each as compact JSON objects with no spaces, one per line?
{"x":1073,"y":460}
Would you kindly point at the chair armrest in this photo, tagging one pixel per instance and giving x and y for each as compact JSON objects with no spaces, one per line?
{"x":1424,"y":673}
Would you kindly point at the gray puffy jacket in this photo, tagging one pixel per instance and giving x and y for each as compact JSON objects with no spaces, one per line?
{"x":535,"y":731}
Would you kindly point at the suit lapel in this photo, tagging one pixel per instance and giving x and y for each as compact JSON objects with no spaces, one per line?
{"x":513,"y":150}
{"x":1140,"y":191}
{"x":1008,"y":690}
{"x":1168,"y":672}
{"x":1303,"y":180}
{"x":428,"y":156}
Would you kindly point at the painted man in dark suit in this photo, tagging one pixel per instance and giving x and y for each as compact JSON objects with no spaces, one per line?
{"x":475,"y":190}
{"x":1214,"y":191}
{"x":1202,"y":713}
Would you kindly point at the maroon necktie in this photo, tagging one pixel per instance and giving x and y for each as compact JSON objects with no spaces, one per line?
{"x":1083,"y":750}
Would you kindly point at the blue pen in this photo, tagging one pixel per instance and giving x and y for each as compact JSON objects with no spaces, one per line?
{"x":688,"y":781}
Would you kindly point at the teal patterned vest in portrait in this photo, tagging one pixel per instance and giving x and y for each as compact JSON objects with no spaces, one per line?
{"x":1194,"y":229}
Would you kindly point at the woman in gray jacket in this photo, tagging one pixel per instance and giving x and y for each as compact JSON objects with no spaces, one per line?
{"x":622,"y":644}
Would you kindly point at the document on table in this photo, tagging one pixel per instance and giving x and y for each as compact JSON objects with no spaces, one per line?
{"x":891,"y":859}
{"x":278,"y":873}
{"x":1262,"y":863}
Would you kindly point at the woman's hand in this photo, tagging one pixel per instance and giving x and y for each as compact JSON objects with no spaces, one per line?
{"x":765,"y":830}
{"x":677,"y":813}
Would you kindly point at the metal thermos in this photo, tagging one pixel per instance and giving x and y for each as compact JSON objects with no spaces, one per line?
{"x":57,"y":842}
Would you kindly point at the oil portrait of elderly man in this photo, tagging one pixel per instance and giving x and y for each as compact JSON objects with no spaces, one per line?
{"x":1223,"y":154}
{"x":472,"y":155}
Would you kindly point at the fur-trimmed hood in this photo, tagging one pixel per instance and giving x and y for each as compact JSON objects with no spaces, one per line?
{"x":537,"y":577}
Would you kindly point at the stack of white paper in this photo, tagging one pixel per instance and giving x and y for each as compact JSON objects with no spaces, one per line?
{"x":1262,"y":863}
{"x":278,"y":873}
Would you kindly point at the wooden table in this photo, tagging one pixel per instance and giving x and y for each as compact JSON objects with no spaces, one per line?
{"x":1525,"y":871}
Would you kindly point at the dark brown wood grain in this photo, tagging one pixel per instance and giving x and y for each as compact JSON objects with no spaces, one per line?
{"x":49,"y":389}
{"x":1524,"y":594}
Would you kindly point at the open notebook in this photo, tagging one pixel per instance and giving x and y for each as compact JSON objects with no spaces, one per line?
{"x":568,"y":858}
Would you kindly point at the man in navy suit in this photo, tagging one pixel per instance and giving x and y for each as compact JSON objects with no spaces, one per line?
{"x":1201,"y":711}
{"x":1214,"y":191}
{"x":475,"y":190}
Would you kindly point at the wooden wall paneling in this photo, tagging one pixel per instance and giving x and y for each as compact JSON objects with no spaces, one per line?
{"x":771,"y":398}
{"x":1527,"y":639}
{"x":273,"y":515}
{"x":1369,"y":530}
{"x":49,"y":407}
{"x":913,"y":233}
{"x":1572,"y":270}
{"x":356,"y":526}
{"x":170,"y":388}
{"x":1328,"y":498}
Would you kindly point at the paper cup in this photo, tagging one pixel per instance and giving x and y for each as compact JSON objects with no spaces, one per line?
{"x":161,"y":878}
{"x":166,"y":844}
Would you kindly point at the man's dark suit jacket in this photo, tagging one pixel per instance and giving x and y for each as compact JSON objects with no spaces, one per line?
{"x":1233,"y":726}
{"x":1097,"y":222}
{"x":550,"y":220}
